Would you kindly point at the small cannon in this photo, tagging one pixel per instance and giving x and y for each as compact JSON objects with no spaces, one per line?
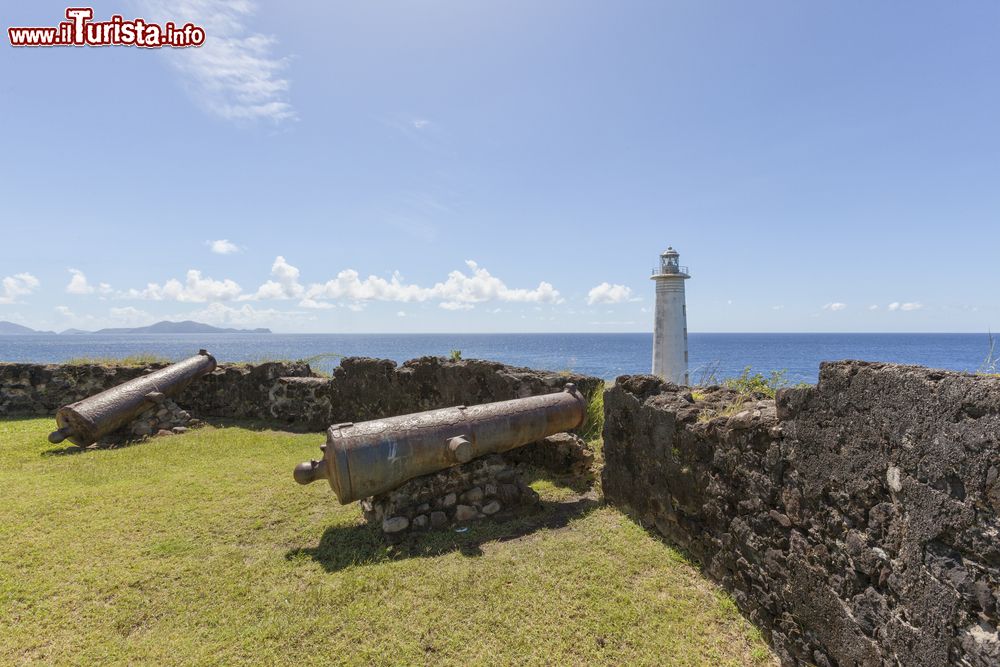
{"x":372,"y":457}
{"x":84,"y":422}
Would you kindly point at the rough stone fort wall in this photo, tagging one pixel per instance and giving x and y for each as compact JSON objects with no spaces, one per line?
{"x":855,"y":522}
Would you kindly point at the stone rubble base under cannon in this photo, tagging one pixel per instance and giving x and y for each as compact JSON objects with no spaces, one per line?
{"x":490,"y":487}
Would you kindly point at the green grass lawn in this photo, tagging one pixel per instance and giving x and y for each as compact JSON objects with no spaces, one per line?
{"x":200,"y":549}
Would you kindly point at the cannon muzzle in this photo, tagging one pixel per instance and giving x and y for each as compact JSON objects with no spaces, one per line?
{"x":368,"y":458}
{"x":86,"y":421}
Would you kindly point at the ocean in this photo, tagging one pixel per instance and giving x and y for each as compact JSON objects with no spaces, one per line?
{"x":604,"y":355}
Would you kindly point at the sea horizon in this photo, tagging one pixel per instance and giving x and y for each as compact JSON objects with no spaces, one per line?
{"x":605,"y":355}
{"x":512,"y":333}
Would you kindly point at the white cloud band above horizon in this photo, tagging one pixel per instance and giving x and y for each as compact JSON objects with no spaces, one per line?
{"x":460,"y":290}
{"x":906,"y":306}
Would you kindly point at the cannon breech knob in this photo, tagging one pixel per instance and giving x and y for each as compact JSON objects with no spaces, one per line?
{"x":308,"y":472}
{"x":58,"y":436}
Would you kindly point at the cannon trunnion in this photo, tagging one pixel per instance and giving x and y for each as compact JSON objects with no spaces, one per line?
{"x":368,"y":458}
{"x":86,"y":421}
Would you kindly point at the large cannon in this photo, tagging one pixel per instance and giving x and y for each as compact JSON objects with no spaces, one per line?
{"x":372,"y":457}
{"x":84,"y":422}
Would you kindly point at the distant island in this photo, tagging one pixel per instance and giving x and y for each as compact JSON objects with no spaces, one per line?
{"x":11,"y":329}
{"x":164,"y":327}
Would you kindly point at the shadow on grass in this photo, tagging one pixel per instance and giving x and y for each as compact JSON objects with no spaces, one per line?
{"x":69,"y":450}
{"x":262,"y":425}
{"x":122,"y":440}
{"x":65,"y":451}
{"x":346,"y":546}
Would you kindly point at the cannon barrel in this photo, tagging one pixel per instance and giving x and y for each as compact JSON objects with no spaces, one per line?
{"x":372,"y":457}
{"x":84,"y":422}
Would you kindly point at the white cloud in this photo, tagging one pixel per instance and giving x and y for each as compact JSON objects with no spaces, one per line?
{"x":835,"y":306}
{"x":874,"y":306}
{"x":316,"y":305}
{"x":78,"y":283}
{"x":348,"y":285}
{"x":482,"y":286}
{"x":130,"y":316}
{"x":220,"y":314}
{"x":459,"y":288}
{"x":417,"y":128}
{"x":19,"y":284}
{"x":116,"y":317}
{"x":608,"y":293}
{"x":455,"y":305}
{"x":285,"y":283}
{"x":908,"y":306}
{"x":400,"y":313}
{"x":223,"y":247}
{"x":195,"y":288}
{"x":778,"y":307}
{"x":78,"y":321}
{"x":459,"y":291}
{"x":234,"y":74}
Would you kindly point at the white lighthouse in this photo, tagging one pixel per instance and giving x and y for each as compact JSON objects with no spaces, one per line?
{"x":670,"y":331}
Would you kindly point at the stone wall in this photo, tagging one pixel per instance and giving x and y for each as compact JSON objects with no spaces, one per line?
{"x":40,"y":389}
{"x":290,"y":393}
{"x":363,"y":388}
{"x":856,"y":522}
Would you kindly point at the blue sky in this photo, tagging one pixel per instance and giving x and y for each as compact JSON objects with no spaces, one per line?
{"x":461,"y":166}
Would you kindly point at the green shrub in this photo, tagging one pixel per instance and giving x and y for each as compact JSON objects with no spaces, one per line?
{"x":142,"y":359}
{"x":323,"y":364}
{"x":593,"y":424}
{"x":747,"y":384}
{"x":991,"y":364}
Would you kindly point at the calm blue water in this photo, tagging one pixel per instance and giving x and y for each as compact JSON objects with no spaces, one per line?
{"x":603,"y":355}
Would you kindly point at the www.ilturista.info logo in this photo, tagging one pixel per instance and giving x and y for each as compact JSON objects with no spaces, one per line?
{"x":80,"y":30}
